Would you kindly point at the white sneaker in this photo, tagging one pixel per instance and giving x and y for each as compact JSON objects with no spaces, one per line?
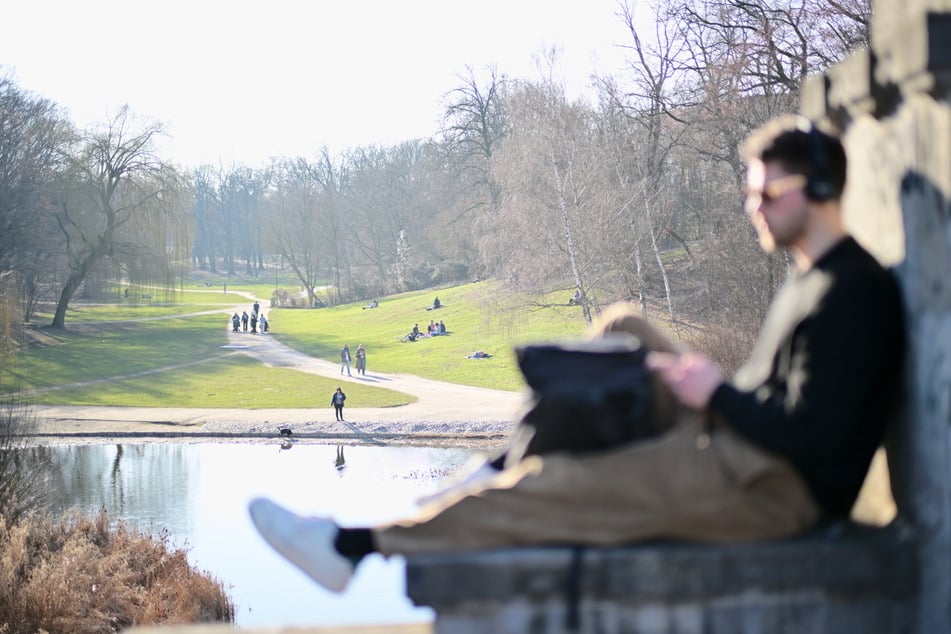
{"x":308,"y":542}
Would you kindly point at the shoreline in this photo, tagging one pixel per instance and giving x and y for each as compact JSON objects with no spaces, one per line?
{"x":391,"y":426}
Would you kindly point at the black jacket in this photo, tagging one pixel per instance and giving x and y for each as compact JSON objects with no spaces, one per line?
{"x":824,"y":375}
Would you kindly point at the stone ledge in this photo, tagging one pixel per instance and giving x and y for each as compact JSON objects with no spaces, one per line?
{"x":842,"y":578}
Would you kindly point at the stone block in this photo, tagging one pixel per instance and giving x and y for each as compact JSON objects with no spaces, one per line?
{"x":842,"y":578}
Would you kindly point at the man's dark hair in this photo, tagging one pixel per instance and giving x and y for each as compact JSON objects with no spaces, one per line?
{"x":801,"y":148}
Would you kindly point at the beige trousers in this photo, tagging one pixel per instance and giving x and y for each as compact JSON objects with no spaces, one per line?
{"x":693,"y":483}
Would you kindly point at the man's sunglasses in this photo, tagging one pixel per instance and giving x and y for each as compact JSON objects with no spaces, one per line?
{"x":777,"y":188}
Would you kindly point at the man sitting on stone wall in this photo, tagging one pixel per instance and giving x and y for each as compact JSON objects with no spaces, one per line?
{"x":785,"y":444}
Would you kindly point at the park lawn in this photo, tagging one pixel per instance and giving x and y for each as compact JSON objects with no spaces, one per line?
{"x":261,"y":286}
{"x":187,"y":365}
{"x":116,"y":308}
{"x":231,"y":381}
{"x":114,"y":349}
{"x":476,"y":316}
{"x":102,"y":313}
{"x":185,"y":362}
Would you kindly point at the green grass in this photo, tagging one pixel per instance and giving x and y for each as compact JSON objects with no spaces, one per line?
{"x":71,"y":356}
{"x":476,"y":317}
{"x":212,"y":377}
{"x":235,"y":380}
{"x":260,"y":286}
{"x":187,"y":366}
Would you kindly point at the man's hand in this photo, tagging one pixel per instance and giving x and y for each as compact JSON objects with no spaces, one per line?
{"x":690,"y":376}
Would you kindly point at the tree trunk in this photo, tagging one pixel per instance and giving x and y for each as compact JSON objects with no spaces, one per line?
{"x":660,"y":261}
{"x":639,"y":272}
{"x":73,"y":282}
{"x":569,"y":240}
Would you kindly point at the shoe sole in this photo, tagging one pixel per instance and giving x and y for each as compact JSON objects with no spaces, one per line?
{"x":332,"y":572}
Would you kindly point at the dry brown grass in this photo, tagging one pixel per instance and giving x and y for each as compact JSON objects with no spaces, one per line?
{"x":80,"y":574}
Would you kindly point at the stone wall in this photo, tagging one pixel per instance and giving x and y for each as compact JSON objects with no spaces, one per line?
{"x":892,"y":105}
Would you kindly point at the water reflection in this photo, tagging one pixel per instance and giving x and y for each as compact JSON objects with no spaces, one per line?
{"x":199,"y":492}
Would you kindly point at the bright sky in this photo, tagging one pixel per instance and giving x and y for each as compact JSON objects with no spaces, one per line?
{"x":239,"y":82}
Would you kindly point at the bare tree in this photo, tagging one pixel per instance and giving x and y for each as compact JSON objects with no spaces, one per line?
{"x":208,"y":218}
{"x":652,"y":104}
{"x":32,"y":135}
{"x":115,"y":176}
{"x":550,"y":229}
{"x":329,"y":174}
{"x":295,"y":220}
{"x":240,"y":192}
{"x":475,"y":122}
{"x":390,"y":192}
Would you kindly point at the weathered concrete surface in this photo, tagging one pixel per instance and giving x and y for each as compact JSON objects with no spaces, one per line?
{"x":842,"y":579}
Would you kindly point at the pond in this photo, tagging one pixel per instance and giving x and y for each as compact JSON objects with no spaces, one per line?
{"x":199,"y":492}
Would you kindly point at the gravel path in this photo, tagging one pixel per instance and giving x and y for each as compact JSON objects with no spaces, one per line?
{"x":444,"y":412}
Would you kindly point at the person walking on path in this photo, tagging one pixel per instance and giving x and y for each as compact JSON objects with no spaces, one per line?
{"x":785,"y":444}
{"x":244,"y":320}
{"x":345,"y":359}
{"x":361,"y":360}
{"x":337,"y":399}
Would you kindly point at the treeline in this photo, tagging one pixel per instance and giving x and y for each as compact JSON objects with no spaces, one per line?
{"x":631,"y":194}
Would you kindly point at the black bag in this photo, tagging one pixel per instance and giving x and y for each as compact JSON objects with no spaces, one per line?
{"x":586,"y":396}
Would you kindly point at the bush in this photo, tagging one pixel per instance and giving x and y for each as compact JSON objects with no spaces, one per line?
{"x":80,"y":575}
{"x":22,"y":485}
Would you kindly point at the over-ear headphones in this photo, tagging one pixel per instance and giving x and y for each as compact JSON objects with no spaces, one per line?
{"x":819,"y":185}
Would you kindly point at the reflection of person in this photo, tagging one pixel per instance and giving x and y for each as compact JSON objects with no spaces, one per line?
{"x":337,"y":399}
{"x":361,"y":360}
{"x":340,"y":462}
{"x":788,"y":442}
{"x":345,"y":359}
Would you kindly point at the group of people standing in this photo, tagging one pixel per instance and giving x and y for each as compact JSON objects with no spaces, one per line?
{"x":345,"y":359}
{"x":255,"y":319}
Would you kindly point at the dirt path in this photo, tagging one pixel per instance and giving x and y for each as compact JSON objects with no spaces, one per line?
{"x":443,"y":413}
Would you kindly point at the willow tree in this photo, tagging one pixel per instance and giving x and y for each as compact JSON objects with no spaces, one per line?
{"x":115,"y":180}
{"x":32,"y":134}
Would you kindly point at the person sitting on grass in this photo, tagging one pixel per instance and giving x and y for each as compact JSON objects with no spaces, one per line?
{"x":783,"y":446}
